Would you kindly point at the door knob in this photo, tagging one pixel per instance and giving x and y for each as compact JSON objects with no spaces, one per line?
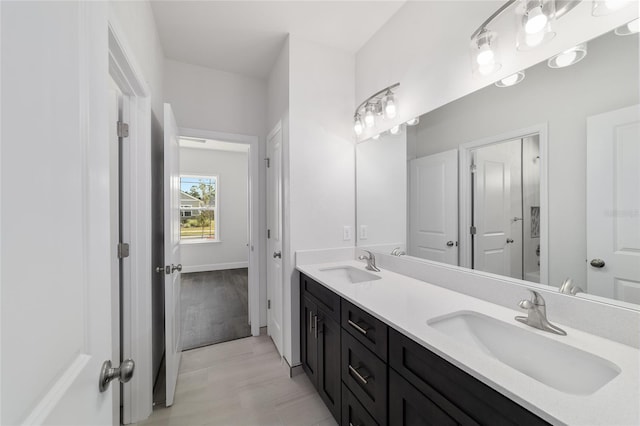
{"x":124,"y":373}
{"x":277,"y":254}
{"x":597,"y":263}
{"x":509,"y":240}
{"x":449,"y":243}
{"x":177,"y":267}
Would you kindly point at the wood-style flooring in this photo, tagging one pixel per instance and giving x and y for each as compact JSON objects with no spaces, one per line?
{"x":214,"y":307}
{"x":241,"y":383}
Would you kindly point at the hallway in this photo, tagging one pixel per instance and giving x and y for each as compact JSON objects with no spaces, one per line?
{"x":242,"y":382}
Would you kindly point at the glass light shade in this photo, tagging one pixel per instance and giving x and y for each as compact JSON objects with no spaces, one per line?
{"x":511,"y":80}
{"x":358,"y":127}
{"x":568,"y":57}
{"x":395,"y":129}
{"x":484,"y":53}
{"x":369,"y":116}
{"x":535,"y":20}
{"x":375,"y":137}
{"x":413,"y":121}
{"x":632,"y":27}
{"x":390,"y":110}
{"x":605,"y":7}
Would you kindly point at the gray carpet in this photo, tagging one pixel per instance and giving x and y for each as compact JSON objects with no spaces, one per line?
{"x":214,"y":307}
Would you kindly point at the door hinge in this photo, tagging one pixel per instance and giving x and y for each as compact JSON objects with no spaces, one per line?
{"x":268,"y":233}
{"x":268,"y":160}
{"x":123,"y":250}
{"x":472,"y":230}
{"x":269,"y":304}
{"x":473,"y":168}
{"x":123,"y":129}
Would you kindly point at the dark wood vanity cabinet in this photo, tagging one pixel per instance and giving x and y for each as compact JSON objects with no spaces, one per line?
{"x":320,"y":346}
{"x":370,"y":374}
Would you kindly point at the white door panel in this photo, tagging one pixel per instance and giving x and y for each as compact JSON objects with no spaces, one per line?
{"x":433,"y":210}
{"x":492,"y":209}
{"x":274,"y":242}
{"x":613,"y":203}
{"x":55,"y":246}
{"x":173,"y":329}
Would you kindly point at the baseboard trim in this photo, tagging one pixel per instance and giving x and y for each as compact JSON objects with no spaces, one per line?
{"x":214,"y":267}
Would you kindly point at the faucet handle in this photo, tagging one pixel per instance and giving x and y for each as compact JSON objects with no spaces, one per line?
{"x":526,"y":304}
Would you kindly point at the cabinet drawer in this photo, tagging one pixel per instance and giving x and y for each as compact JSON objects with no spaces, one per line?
{"x":442,"y":382}
{"x":370,"y":331}
{"x":407,"y":406}
{"x":366,"y":376}
{"x":353,"y":413}
{"x":328,"y":300}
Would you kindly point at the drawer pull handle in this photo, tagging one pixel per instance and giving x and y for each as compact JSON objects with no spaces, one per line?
{"x":358,"y":375}
{"x":310,"y":322}
{"x":357,"y":327}
{"x":315,"y":326}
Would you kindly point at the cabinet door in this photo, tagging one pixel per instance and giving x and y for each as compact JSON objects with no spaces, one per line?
{"x":407,"y":406}
{"x":329,"y":363}
{"x":309,"y":341}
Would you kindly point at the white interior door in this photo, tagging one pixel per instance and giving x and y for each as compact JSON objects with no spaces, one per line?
{"x":433,"y":210}
{"x":274,"y":241}
{"x":613,"y":203}
{"x":172,"y":261}
{"x":55,"y":245}
{"x":492,"y":215}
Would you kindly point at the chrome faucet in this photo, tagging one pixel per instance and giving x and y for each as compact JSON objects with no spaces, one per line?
{"x":568,"y":287}
{"x":371,"y":261}
{"x":537,"y":314}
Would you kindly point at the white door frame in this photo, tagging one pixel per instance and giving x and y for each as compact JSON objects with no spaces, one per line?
{"x":465,"y":192}
{"x":253,"y":212}
{"x":137,"y":397}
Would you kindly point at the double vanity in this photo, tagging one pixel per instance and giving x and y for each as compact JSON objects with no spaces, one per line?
{"x":383,"y":348}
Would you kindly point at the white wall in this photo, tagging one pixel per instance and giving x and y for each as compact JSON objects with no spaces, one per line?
{"x":134,"y":22}
{"x":278,"y":88}
{"x":321,"y":175}
{"x":425,"y":47}
{"x":212,"y":100}
{"x":605,"y":80}
{"x":231,"y":224}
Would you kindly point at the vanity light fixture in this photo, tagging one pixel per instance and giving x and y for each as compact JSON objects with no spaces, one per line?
{"x":369,"y":116}
{"x":511,"y":80}
{"x":395,"y":129}
{"x":358,"y":127}
{"x":382,"y":103}
{"x":484,"y":52}
{"x":632,"y":27}
{"x":568,"y":57}
{"x":413,"y":121}
{"x":605,"y":7}
{"x":389,"y":105}
{"x":375,"y":137}
{"x":535,"y":19}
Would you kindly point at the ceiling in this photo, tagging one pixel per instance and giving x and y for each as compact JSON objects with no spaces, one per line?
{"x":245,"y":37}
{"x":213,"y":144}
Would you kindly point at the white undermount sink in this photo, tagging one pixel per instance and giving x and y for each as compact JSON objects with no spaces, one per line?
{"x":548,"y":361}
{"x":349,"y":274}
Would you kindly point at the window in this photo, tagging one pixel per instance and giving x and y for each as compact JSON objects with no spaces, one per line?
{"x":199,"y":208}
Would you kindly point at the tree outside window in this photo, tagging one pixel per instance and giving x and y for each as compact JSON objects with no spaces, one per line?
{"x":198,"y":208}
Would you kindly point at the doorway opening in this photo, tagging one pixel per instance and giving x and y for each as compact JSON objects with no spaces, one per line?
{"x":503,"y":194}
{"x":214,"y":235}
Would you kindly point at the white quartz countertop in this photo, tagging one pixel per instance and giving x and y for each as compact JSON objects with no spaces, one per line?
{"x":406,"y":304}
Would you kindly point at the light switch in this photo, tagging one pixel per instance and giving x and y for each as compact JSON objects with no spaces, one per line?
{"x":346,"y":233}
{"x":364,"y":232}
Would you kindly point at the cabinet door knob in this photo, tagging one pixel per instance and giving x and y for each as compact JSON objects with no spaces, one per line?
{"x":509,"y":240}
{"x":449,"y":243}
